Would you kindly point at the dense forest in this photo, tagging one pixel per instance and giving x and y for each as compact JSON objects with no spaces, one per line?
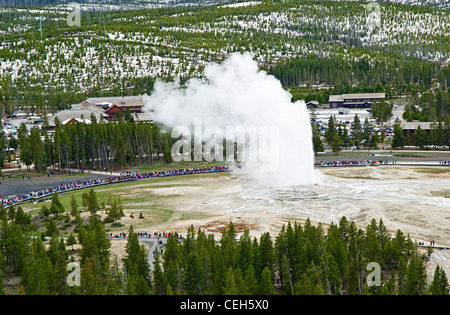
{"x":301,"y":259}
{"x":98,"y":146}
{"x":309,"y":45}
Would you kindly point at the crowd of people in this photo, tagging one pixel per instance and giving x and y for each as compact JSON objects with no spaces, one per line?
{"x":156,"y":235}
{"x":122,"y":177}
{"x":355,"y":163}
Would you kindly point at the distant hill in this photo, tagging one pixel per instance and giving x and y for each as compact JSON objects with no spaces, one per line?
{"x":30,"y":3}
{"x":441,"y":4}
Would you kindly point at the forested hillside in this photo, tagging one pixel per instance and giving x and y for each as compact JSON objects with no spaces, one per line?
{"x":312,"y":43}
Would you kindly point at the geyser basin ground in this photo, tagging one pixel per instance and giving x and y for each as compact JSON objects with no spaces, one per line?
{"x":405,"y":198}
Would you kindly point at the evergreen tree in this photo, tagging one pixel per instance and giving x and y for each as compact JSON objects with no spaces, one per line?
{"x":415,"y":276}
{"x":357,"y":131}
{"x":73,"y":206}
{"x":316,"y":139}
{"x":158,"y":276}
{"x":193,"y":275}
{"x":71,"y":240}
{"x":59,"y":284}
{"x":439,"y":285}
{"x":398,"y":140}
{"x":92,"y":203}
{"x":38,"y":274}
{"x":331,"y":131}
{"x":91,"y":283}
{"x":250,"y":282}
{"x":266,"y":287}
{"x":420,"y":137}
{"x":56,"y":206}
{"x":2,"y":274}
{"x":336,"y":144}
{"x":136,"y":264}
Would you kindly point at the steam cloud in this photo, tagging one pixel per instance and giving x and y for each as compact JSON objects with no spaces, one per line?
{"x":237,"y":93}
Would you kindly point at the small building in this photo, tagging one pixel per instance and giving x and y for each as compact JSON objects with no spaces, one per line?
{"x":74,"y":120}
{"x":73,"y":116}
{"x":143,"y":117}
{"x":110,"y":105}
{"x":364,"y":100}
{"x":410,"y":127}
{"x":312,"y":104}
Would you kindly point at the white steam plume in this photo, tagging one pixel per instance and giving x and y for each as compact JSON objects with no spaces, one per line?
{"x":237,"y":93}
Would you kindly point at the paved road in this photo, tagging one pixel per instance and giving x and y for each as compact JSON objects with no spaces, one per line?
{"x":17,"y":186}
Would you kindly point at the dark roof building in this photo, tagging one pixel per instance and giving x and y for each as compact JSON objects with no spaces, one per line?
{"x":108,"y":106}
{"x":364,"y":100}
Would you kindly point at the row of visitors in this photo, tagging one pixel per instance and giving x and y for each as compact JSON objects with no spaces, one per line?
{"x":355,"y":163}
{"x":33,"y":195}
{"x":145,"y":235}
{"x":157,"y":235}
{"x":126,"y":176}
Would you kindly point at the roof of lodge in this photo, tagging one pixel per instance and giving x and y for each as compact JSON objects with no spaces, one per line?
{"x":363,"y":95}
{"x":142,"y":117}
{"x":118,"y":100}
{"x":78,"y":114}
{"x":343,"y":97}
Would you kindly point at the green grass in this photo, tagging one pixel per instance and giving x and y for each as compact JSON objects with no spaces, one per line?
{"x":432,"y":170}
{"x":441,"y":193}
{"x":136,"y":198}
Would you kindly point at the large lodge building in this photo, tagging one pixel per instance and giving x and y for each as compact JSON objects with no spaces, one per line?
{"x":355,"y":100}
{"x":102,"y":108}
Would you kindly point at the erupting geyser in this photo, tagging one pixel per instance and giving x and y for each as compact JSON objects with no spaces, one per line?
{"x":237,"y":94}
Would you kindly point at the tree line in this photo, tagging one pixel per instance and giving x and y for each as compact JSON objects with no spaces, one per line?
{"x":389,"y":75}
{"x":112,"y":145}
{"x":301,"y":259}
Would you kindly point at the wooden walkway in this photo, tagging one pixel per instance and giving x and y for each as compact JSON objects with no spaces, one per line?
{"x":435,"y":247}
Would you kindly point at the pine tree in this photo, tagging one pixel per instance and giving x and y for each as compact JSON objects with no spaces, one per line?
{"x":59,"y":284}
{"x":73,"y":206}
{"x":193,"y":275}
{"x":415,"y":276}
{"x":158,"y":276}
{"x":2,"y":272}
{"x":71,"y":240}
{"x":336,"y":144}
{"x":91,"y":283}
{"x":398,"y":140}
{"x":439,"y":284}
{"x":419,"y":137}
{"x":266,"y":287}
{"x":172,"y":264}
{"x":39,"y":271}
{"x":56,"y":206}
{"x":250,"y":282}
{"x":357,"y":131}
{"x":266,"y":251}
{"x":92,"y":203}
{"x":331,"y":131}
{"x":136,"y":264}
{"x":52,"y":229}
